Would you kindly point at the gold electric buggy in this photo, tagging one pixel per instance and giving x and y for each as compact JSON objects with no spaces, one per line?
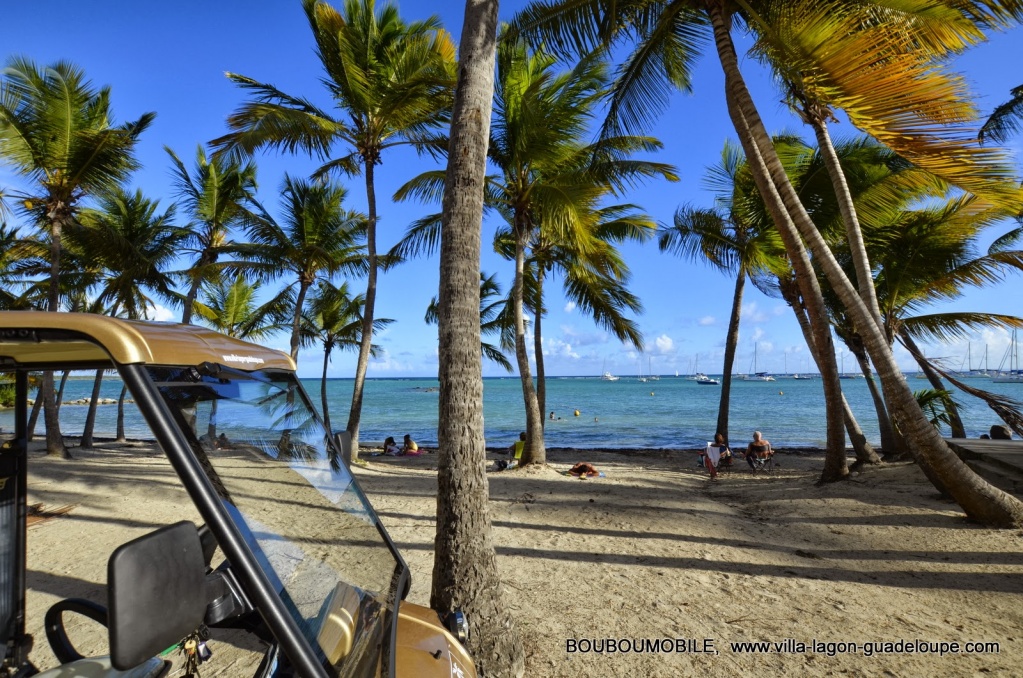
{"x":275,"y":546}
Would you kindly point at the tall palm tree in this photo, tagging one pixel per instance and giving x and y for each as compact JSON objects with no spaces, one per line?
{"x":465,"y":564}
{"x":334,"y":319}
{"x":873,"y":68}
{"x":318,"y":239}
{"x":550,"y":180}
{"x":213,"y":196}
{"x":391,"y":80}
{"x":130,"y":244}
{"x":56,"y":132}
{"x":730,"y":239}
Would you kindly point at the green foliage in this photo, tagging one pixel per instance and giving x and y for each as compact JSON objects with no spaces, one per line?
{"x":936,"y":405}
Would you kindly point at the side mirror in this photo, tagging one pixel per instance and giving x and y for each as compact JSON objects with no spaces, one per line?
{"x":157,"y":593}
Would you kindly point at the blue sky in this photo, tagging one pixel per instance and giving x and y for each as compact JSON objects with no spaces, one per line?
{"x":170,"y":58}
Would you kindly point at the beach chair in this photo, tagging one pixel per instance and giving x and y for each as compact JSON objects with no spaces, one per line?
{"x":763,"y":460}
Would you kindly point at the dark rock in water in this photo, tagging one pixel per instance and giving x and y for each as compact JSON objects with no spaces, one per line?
{"x":1001,"y":433}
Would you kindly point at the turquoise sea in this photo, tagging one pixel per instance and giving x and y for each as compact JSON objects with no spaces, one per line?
{"x":672,"y":412}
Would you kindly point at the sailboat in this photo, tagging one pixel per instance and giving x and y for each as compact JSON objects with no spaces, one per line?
{"x":1014,"y":375}
{"x":650,"y":373}
{"x":607,"y":376}
{"x":754,"y":375}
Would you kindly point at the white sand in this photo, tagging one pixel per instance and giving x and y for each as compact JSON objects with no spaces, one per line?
{"x":653,"y":551}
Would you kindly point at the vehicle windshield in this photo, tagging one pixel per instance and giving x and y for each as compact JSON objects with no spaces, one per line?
{"x":294,"y":500}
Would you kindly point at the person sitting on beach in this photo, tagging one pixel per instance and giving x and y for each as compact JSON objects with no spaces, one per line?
{"x":712,"y":457}
{"x":759,"y":449}
{"x":391,"y":447}
{"x":726,"y":454}
{"x":411,"y":448}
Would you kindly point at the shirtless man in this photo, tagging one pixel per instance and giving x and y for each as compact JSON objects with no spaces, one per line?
{"x":758,"y":449}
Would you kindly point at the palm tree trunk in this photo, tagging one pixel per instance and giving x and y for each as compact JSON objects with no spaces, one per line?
{"x":864,"y":277}
{"x":199,"y":273}
{"x":90,"y":417}
{"x":890,"y":444}
{"x":33,"y":418}
{"x":211,"y":425}
{"x":323,"y":392}
{"x":954,"y":420}
{"x":822,"y":349}
{"x":296,"y":320}
{"x":465,"y":571}
{"x":534,"y":452}
{"x":120,"y":414}
{"x":59,"y":399}
{"x":865,"y":453}
{"x":731,"y":341}
{"x":979,"y":499}
{"x":541,"y":375}
{"x":54,"y":438}
{"x":368,"y":309}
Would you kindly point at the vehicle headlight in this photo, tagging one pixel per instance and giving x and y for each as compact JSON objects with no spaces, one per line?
{"x":458,"y":625}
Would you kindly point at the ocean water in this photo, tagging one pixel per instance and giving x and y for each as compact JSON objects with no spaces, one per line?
{"x":669,"y":413}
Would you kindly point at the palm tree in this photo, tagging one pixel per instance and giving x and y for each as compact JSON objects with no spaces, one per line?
{"x":730,"y":239}
{"x":232,"y":309}
{"x":465,"y":564}
{"x":318,"y":239}
{"x":551,"y":182}
{"x":130,"y":245}
{"x":214,"y":198}
{"x":393,"y":82}
{"x":858,"y":46}
{"x":56,"y":132}
{"x":334,"y":319}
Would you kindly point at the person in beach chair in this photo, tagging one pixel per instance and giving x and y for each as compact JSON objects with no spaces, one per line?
{"x":515,"y":452}
{"x":759,"y":453}
{"x":717,"y":456}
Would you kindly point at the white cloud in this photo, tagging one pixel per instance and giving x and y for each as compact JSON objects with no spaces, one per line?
{"x":751,"y":313}
{"x":707,"y":320}
{"x":757,"y":333}
{"x":162,"y":313}
{"x":559,"y":349}
{"x":569,"y":307}
{"x":664,"y":344}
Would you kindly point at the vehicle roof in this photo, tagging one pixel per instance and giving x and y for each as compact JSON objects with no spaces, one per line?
{"x":37,"y":338}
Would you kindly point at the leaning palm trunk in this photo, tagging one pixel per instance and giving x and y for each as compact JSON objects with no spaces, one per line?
{"x":465,"y":571}
{"x":368,"y":309}
{"x":861,"y":264}
{"x":731,"y":341}
{"x":323,"y":392}
{"x":891,"y":444}
{"x":954,"y":420}
{"x":837,"y":412}
{"x":979,"y":499}
{"x":534,"y":452}
{"x":90,"y":417}
{"x":33,"y":418}
{"x":59,"y":400}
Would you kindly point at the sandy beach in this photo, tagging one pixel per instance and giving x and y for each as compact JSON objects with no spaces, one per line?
{"x":651,"y":557}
